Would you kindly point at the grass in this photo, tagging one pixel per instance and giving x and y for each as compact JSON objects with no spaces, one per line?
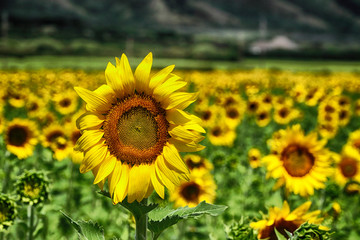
{"x":99,"y":63}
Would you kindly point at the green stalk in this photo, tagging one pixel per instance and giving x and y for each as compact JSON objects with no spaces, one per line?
{"x":31,"y":221}
{"x":70,"y":188}
{"x":141,"y":225}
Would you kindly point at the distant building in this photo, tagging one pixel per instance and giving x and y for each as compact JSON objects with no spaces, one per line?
{"x":277,"y":43}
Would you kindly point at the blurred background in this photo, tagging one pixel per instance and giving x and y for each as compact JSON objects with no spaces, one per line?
{"x":204,"y":30}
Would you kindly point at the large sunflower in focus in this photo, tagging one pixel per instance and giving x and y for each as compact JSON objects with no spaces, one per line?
{"x":300,"y":162}
{"x":282,"y":219}
{"x":134,"y":128}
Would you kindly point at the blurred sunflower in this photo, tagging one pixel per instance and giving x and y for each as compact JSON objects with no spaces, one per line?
{"x":282,"y":219}
{"x":51,"y":133}
{"x":61,"y":147}
{"x":254,"y":157}
{"x":16,"y":98}
{"x":347,"y":166}
{"x":357,"y":108}
{"x":134,"y":129}
{"x":262,"y":117}
{"x":253,"y":104}
{"x":210,"y":115}
{"x":354,"y":140}
{"x":65,"y":102}
{"x":327,"y":130}
{"x":234,"y":115}
{"x":35,"y":106}
{"x":222,"y":135}
{"x":285,"y":114}
{"x":21,"y":137}
{"x":298,"y":92}
{"x":344,"y":116}
{"x":314,"y":95}
{"x":195,"y":161}
{"x":299,"y":162}
{"x":200,"y":187}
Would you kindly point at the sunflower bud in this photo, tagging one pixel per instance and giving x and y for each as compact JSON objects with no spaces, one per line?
{"x":308,"y":231}
{"x":240,"y":231}
{"x":33,"y":187}
{"x":7,"y":212}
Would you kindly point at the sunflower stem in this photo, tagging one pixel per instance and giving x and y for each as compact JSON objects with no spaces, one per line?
{"x":30,"y":213}
{"x":141,"y":224}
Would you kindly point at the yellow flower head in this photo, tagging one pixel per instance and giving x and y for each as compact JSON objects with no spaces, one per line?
{"x":299,"y":162}
{"x":134,"y":128}
{"x":21,"y":137}
{"x":254,"y":157}
{"x":200,"y":187}
{"x":282,"y":219}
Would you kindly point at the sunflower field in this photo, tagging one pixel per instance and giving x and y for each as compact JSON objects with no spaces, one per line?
{"x":243,"y":154}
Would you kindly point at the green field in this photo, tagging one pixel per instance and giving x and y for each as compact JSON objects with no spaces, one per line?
{"x":98,"y":63}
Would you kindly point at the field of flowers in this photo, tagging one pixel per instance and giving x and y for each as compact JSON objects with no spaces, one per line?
{"x":280,"y":149}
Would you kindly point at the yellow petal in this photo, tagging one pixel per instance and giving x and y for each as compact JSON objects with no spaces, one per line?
{"x":114,"y":177}
{"x":106,"y":92}
{"x":142,"y":74}
{"x":88,"y":139}
{"x":172,"y":157}
{"x":126,"y":75}
{"x":179,"y":100}
{"x":112,"y":76}
{"x":106,"y":167}
{"x":95,"y":102}
{"x":160,"y":76}
{"x":162,"y":177}
{"x":180,"y":117}
{"x":186,"y":147}
{"x":163,"y":91}
{"x":93,"y":157}
{"x":89,"y":121}
{"x":139,"y":180}
{"x":166,"y":171}
{"x":122,"y":186}
{"x":159,"y":188}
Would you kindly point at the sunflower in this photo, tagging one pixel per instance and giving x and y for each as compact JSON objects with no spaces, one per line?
{"x":66,"y":102}
{"x":210,"y":115}
{"x":298,"y":92}
{"x":299,"y":162}
{"x":282,"y":219}
{"x":254,"y":157}
{"x":21,"y":137}
{"x":195,"y":161}
{"x":357,"y":108}
{"x":253,"y":104}
{"x":222,"y":135}
{"x":313,"y":96}
{"x":200,"y":187}
{"x":61,"y":147}
{"x":234,"y":115}
{"x":327,"y":130}
{"x":354,"y":140}
{"x":262,"y":117}
{"x":344,"y":116}
{"x":16,"y":98}
{"x":35,"y":106}
{"x":134,"y":129}
{"x":347,"y":166}
{"x":51,"y":133}
{"x":285,"y":114}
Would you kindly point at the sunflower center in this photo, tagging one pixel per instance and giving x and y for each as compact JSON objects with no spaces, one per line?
{"x":329,"y":109}
{"x":297,"y":160}
{"x":232,"y":113}
{"x":348,"y":167}
{"x":343,"y":114}
{"x":65,"y":102}
{"x":136,"y":129}
{"x":17,"y":136}
{"x":32,"y":191}
{"x":262,"y":116}
{"x":281,"y":225}
{"x":191,"y":192}
{"x":206,"y":115}
{"x":216,"y":131}
{"x":356,"y":144}
{"x":284,"y":112}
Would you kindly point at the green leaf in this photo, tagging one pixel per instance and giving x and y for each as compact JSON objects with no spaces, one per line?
{"x":138,"y":209}
{"x":162,"y":218}
{"x":279,"y":235}
{"x":87,"y":230}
